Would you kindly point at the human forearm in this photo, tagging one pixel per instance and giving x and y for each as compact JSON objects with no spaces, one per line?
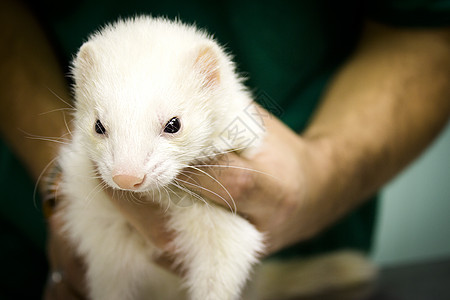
{"x":377,"y":115}
{"x":384,"y":106}
{"x":30,"y":79}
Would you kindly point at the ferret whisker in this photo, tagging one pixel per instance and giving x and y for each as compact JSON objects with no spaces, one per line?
{"x":233,"y":210}
{"x":60,"y":139}
{"x":103,"y":187}
{"x":196,"y":183}
{"x":137,"y":145}
{"x":195,"y":195}
{"x":97,"y":189}
{"x":49,"y":140}
{"x":153,"y":195}
{"x":159,"y":194}
{"x":57,"y":110}
{"x":190,"y":177}
{"x":204,"y":166}
{"x":222,"y":186}
{"x":218,"y":153}
{"x":206,"y":152}
{"x":135,"y":199}
{"x":128,"y":198}
{"x":93,"y":175}
{"x":168,"y":197}
{"x":67,"y":126}
{"x":185,"y":172}
{"x":115,"y":193}
{"x":30,"y":135}
{"x":125,"y":195}
{"x":66,"y":134}
{"x":46,"y":180}
{"x":61,"y":99}
{"x":237,"y":167}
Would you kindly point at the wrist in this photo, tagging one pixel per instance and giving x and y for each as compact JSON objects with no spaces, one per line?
{"x":328,"y":194}
{"x":304,"y":203}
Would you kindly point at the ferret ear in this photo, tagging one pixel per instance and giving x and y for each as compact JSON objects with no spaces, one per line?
{"x":86,"y":55}
{"x":207,"y":63}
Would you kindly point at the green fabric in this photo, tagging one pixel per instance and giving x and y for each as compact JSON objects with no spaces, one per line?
{"x":289,"y":51}
{"x":423,"y":13}
{"x":22,"y":233}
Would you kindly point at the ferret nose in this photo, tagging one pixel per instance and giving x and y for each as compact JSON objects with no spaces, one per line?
{"x":128,"y":182}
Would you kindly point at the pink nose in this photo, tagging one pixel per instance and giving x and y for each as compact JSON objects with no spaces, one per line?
{"x":128,"y":182}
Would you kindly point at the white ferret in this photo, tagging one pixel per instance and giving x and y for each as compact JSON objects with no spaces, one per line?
{"x":153,"y":97}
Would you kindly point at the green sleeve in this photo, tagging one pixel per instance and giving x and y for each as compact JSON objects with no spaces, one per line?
{"x":419,"y":13}
{"x":22,"y":232}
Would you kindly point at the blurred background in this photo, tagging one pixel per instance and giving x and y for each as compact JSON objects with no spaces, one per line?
{"x":414,"y":217}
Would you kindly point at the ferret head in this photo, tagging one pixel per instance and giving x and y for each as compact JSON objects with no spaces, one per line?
{"x":145,"y":92}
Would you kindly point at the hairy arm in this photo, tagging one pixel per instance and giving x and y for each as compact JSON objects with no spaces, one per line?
{"x":31,"y":83}
{"x":384,"y":106}
{"x":382,"y":109}
{"x":30,"y":79}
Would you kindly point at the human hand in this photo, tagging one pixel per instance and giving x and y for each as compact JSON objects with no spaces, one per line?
{"x":269,"y":189}
{"x":66,"y":274}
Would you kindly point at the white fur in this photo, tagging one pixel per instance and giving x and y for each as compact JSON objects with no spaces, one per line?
{"x":134,"y":76}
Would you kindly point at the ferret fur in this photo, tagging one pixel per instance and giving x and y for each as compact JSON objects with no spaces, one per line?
{"x":134,"y":76}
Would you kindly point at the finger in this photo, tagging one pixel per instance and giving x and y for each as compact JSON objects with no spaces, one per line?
{"x":66,"y":276}
{"x":61,"y":291}
{"x":233,"y":178}
{"x":224,"y":181}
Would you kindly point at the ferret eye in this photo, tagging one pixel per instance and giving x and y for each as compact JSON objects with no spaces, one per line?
{"x":173,"y":125}
{"x":99,"y":128}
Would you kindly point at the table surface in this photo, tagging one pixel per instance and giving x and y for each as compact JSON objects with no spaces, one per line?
{"x":420,"y":281}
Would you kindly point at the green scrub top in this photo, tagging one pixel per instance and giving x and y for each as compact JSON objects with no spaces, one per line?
{"x":287,"y":50}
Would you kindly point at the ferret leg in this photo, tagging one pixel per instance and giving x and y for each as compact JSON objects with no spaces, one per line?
{"x":217,"y":249}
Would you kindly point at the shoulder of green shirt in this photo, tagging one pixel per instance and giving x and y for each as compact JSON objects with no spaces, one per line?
{"x":411,"y":13}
